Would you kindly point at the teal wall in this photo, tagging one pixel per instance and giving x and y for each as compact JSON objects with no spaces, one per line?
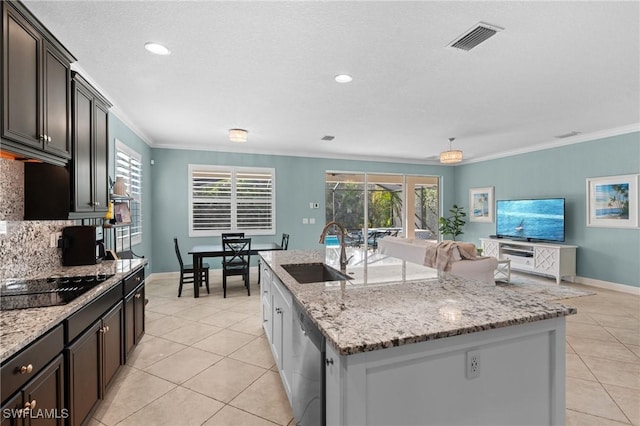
{"x":119,"y":130}
{"x":299,"y":180}
{"x":605,"y":254}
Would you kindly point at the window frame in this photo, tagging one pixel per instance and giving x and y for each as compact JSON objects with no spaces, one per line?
{"x":233,"y":170}
{"x":137,"y":228}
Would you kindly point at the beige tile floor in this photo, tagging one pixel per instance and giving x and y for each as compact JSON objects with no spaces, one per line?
{"x":206,"y":362}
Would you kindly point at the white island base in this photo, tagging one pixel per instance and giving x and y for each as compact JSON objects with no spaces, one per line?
{"x":521,"y":380}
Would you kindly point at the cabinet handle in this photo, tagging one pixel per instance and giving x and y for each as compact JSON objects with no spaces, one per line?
{"x":138,"y":295}
{"x":101,"y":330}
{"x":106,"y":329}
{"x":26,"y":369}
{"x":138,"y":279}
{"x":48,"y":138}
{"x":97,"y":203}
{"x":278,"y":311}
{"x":30,"y":405}
{"x":329,"y":361}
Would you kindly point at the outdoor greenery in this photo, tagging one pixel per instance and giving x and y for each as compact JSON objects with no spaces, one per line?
{"x":345,"y":204}
{"x":453,"y":224}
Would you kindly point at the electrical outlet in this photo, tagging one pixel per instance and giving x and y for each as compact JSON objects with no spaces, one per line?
{"x":473,"y":364}
{"x":53,"y":241}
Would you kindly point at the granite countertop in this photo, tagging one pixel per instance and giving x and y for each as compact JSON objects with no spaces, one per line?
{"x":20,"y":327}
{"x":389,"y":305}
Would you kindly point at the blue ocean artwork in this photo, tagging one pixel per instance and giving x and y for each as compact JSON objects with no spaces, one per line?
{"x":612,"y":201}
{"x":480,"y":205}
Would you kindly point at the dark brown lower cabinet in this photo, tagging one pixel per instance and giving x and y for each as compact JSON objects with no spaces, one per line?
{"x":134,"y":318}
{"x":94,"y":359}
{"x":40,"y":401}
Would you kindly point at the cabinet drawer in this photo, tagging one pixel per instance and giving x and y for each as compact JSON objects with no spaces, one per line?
{"x":78,"y":322}
{"x":37,"y":355}
{"x":133,"y":281}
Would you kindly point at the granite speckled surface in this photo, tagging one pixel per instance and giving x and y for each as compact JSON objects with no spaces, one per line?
{"x":20,"y":327}
{"x":11,"y":189}
{"x":369,"y":313}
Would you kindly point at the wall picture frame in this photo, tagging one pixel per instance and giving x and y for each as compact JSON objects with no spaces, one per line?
{"x":612,"y":201}
{"x":481,"y":204}
{"x":122,"y":213}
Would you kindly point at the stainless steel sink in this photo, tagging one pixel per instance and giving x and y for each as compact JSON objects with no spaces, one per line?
{"x":306,"y":273}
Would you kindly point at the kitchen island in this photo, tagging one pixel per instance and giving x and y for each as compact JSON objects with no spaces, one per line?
{"x":405,"y":345}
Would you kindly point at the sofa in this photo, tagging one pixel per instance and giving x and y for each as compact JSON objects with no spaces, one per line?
{"x":459,"y":259}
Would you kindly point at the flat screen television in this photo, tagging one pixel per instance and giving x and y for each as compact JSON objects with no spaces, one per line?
{"x":536,"y":219}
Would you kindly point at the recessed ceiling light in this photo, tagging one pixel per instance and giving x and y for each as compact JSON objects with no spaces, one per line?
{"x":343,"y":78}
{"x":238,"y":135}
{"x":157,"y":48}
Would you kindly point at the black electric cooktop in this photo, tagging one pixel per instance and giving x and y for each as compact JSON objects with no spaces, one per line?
{"x":52,"y":291}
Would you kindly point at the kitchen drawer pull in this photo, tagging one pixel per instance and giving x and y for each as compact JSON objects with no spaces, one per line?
{"x":106,"y":328}
{"x":138,"y":295}
{"x":30,"y":405}
{"x":278,"y":311}
{"x":26,"y":369}
{"x":329,"y":361}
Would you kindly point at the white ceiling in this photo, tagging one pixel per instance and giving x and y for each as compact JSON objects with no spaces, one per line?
{"x":268,"y":67}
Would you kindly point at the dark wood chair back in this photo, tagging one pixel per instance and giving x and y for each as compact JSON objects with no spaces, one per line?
{"x":236,"y":260}
{"x":285,"y":242}
{"x":187,"y":271}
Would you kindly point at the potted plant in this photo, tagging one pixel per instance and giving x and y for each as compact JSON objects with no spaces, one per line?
{"x":453,"y":224}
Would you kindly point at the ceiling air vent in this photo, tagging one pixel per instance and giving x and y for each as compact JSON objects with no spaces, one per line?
{"x":474,"y":36}
{"x":328,"y":138}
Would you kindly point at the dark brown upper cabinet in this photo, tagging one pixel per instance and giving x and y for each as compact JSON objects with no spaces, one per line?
{"x":89,"y":171}
{"x":36,"y":88}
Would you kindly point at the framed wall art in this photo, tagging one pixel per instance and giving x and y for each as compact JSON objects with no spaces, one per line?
{"x":481,"y":204}
{"x":612,"y":201}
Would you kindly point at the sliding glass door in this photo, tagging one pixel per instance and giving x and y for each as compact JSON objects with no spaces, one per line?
{"x":393,"y":204}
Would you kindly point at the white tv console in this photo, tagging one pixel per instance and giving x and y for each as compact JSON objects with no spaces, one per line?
{"x":557,"y":260}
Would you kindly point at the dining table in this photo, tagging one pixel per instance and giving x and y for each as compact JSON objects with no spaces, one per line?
{"x":199,"y":252}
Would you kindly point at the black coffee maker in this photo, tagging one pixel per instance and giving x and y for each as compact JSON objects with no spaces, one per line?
{"x":82,"y":245}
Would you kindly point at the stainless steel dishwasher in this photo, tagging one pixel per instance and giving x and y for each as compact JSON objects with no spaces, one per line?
{"x":308,"y":371}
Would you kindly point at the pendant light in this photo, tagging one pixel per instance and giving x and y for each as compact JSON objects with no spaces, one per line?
{"x":452,"y":155}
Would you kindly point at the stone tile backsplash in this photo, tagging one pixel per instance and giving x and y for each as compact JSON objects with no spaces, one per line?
{"x":11,"y":189}
{"x":24,"y":245}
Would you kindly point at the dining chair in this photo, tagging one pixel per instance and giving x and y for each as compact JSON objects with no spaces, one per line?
{"x":236,"y":260}
{"x":187,"y":272}
{"x":231,"y":235}
{"x":285,"y":242}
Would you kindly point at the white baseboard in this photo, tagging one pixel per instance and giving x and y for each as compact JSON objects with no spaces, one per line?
{"x":623,"y":288}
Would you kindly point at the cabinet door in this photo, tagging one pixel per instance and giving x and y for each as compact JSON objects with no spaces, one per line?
{"x":101,"y":158}
{"x":12,"y":411}
{"x":82,"y":158}
{"x":282,"y":332}
{"x":47,"y":390}
{"x":139,"y":314}
{"x":85,"y":381}
{"x":133,"y":319}
{"x":22,"y":89}
{"x":129,"y":324}
{"x":57,"y":79}
{"x":112,"y":325}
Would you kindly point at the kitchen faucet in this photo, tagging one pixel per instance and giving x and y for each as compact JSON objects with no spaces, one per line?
{"x":343,"y":234}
